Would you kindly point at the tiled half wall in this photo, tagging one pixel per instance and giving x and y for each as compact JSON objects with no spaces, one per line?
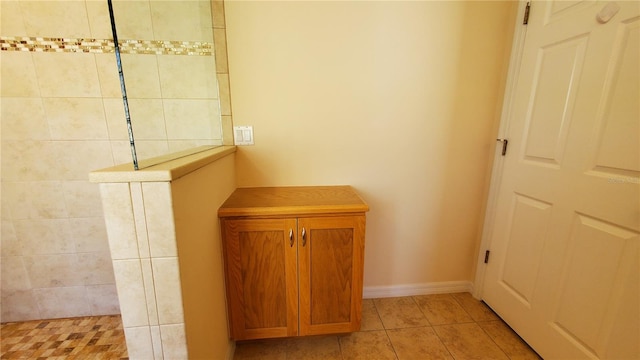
{"x":62,"y":116}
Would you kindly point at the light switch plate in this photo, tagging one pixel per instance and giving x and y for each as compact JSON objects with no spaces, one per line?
{"x":243,"y":135}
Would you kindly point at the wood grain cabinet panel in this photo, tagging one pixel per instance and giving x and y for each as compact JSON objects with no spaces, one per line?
{"x":293,"y":261}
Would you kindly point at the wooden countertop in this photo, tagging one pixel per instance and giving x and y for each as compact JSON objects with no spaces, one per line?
{"x":294,"y":201}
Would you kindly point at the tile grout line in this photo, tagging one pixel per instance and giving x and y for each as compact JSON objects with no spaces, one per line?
{"x":438,"y":336}
{"x":385,"y":329}
{"x":481,"y":328}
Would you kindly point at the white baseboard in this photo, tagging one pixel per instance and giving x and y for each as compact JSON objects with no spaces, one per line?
{"x":372,"y":292}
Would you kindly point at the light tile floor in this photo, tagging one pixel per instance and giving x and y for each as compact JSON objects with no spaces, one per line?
{"x":444,"y":326}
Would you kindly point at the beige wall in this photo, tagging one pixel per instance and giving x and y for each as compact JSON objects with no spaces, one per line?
{"x":398,"y":99}
{"x":62,"y":116}
{"x":196,"y":199}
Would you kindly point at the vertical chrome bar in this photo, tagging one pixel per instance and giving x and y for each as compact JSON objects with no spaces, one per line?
{"x":122,"y":86}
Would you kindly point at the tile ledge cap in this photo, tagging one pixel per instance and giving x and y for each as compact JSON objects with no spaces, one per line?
{"x":166,"y":171}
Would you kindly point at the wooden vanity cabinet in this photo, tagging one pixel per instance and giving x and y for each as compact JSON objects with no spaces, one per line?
{"x":293,"y":260}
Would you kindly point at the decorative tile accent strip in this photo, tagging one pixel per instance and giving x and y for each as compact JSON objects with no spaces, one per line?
{"x":156,"y":47}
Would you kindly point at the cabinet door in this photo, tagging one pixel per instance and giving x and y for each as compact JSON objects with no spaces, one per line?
{"x":262,"y":285}
{"x":330,"y":253}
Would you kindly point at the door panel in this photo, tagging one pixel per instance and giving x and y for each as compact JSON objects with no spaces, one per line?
{"x":555,"y":83}
{"x":528,"y":232}
{"x":331,"y":267}
{"x":589,"y":278}
{"x":618,"y":151}
{"x":264,"y":286}
{"x":261,"y":277}
{"x":331,"y":254}
{"x":564,"y":247}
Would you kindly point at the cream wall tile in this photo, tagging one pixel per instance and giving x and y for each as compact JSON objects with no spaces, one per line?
{"x":139,"y":344}
{"x":18,"y":74}
{"x":67,"y":74}
{"x":56,"y":18}
{"x":99,"y":22}
{"x":103,"y":299}
{"x":150,"y":291}
{"x":121,"y":151}
{"x":159,"y":216}
{"x":174,"y":342}
{"x":141,"y":222}
{"x":141,"y":76}
{"x":185,"y":20}
{"x":156,"y":340}
{"x":108,"y":74}
{"x":116,"y":119}
{"x":220,"y":43}
{"x":76,"y":118}
{"x":147,"y":118}
{"x":76,"y":159}
{"x":82,"y":199}
{"x":23,"y":119}
{"x":192,"y":119}
{"x":9,"y":241}
{"x":44,"y":236}
{"x":225,"y":94}
{"x":188,"y":77}
{"x":19,"y":306}
{"x":166,"y":278}
{"x":96,"y":268}
{"x":62,"y":302}
{"x":227,"y":130}
{"x":13,"y":274}
{"x":180,"y":145}
{"x":118,"y":214}
{"x":151,"y":148}
{"x":49,"y":271}
{"x":11,"y":22}
{"x":131,"y":295}
{"x":5,"y":209}
{"x":89,"y":234}
{"x":29,"y":161}
{"x":133,"y":19}
{"x":217,"y":10}
{"x":36,"y":200}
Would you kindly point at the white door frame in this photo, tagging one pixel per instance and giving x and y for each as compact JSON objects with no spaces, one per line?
{"x":515,"y":59}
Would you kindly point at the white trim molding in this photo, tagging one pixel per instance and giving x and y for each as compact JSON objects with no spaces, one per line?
{"x":520,"y":31}
{"x":371,"y":292}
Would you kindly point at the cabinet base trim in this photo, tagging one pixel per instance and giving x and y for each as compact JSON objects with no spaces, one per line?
{"x":372,"y":292}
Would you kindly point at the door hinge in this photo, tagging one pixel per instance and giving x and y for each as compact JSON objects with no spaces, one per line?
{"x":525,"y":21}
{"x":486,"y":256}
{"x":505,"y":142}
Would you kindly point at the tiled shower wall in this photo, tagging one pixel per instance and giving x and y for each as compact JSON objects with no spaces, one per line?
{"x":62,"y":116}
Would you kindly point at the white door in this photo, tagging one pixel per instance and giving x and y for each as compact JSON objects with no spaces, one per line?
{"x":564,"y":268}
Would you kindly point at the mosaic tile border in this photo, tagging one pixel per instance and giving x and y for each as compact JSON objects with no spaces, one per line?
{"x":81,"y":45}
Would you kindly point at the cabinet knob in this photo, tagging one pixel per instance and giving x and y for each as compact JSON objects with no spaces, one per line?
{"x":304,"y":237}
{"x":291,"y":237}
